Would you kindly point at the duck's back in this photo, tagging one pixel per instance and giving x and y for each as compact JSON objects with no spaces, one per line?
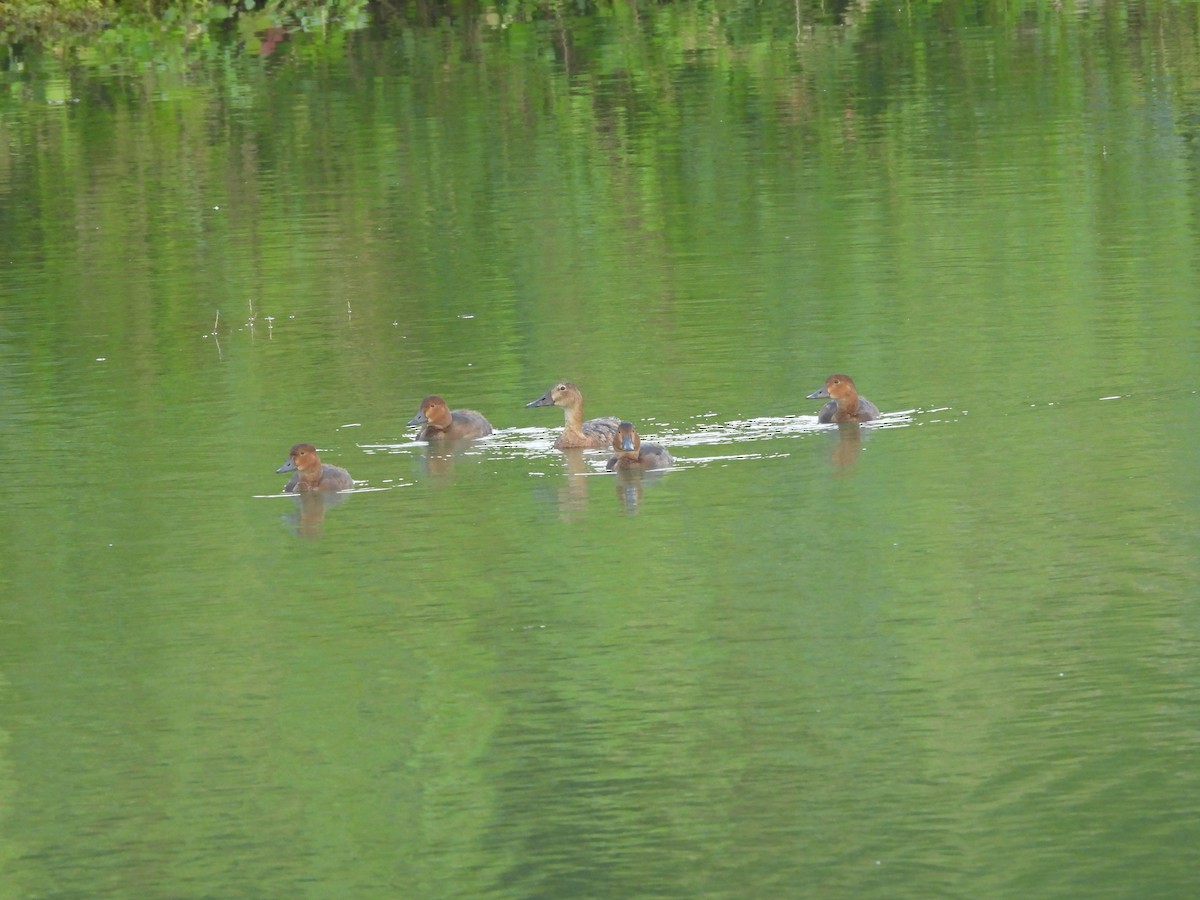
{"x":651,"y":456}
{"x":866,"y":412}
{"x":333,"y":478}
{"x":655,"y":457}
{"x":828,"y":411}
{"x":465,"y":424}
{"x":593,"y":434}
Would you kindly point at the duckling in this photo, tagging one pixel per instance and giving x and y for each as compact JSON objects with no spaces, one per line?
{"x":845,"y":405}
{"x":441,"y":424}
{"x":311,"y":473}
{"x":594,"y":433}
{"x":631,"y":453}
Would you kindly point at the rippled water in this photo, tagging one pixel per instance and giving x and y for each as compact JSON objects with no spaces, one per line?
{"x":948,"y":653}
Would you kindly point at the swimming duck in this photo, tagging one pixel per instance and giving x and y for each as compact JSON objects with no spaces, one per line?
{"x":594,"y":433}
{"x":311,"y":473}
{"x":845,"y":405}
{"x":631,"y":453}
{"x":442,"y":424}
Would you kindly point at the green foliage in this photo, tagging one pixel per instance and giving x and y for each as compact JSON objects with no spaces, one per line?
{"x":27,"y":20}
{"x":49,"y":22}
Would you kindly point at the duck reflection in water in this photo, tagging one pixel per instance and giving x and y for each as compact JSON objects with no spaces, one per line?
{"x":570,"y":494}
{"x":848,"y":446}
{"x":572,"y":497}
{"x":845,"y":405}
{"x":443,"y":424}
{"x":594,"y":434}
{"x":631,"y":487}
{"x":310,"y":511}
{"x":440,"y":458}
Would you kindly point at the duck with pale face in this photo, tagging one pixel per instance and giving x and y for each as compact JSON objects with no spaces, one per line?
{"x":578,"y":434}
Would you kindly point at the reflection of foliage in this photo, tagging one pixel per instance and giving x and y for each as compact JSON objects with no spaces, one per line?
{"x":619,"y":95}
{"x":511,"y":11}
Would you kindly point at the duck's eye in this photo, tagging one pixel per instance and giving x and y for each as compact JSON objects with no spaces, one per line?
{"x":561,"y":387}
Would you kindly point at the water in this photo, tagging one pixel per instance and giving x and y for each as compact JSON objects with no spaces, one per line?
{"x":950,"y":653}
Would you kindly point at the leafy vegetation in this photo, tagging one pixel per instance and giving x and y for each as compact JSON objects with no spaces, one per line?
{"x":44,"y":22}
{"x":48,"y":22}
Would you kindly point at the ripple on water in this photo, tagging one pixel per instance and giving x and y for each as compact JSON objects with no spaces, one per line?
{"x":537,"y":444}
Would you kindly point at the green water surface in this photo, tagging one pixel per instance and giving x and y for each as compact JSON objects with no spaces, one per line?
{"x":952,"y":654}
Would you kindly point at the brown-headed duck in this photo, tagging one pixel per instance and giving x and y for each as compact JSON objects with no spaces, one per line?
{"x":594,"y":433}
{"x":845,"y":405}
{"x":442,"y":424}
{"x":311,"y":473}
{"x":631,"y":453}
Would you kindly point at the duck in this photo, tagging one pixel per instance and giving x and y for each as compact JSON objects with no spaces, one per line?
{"x":631,"y":453}
{"x":578,"y":434}
{"x":311,"y":473}
{"x":845,"y":404}
{"x":442,"y":424}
